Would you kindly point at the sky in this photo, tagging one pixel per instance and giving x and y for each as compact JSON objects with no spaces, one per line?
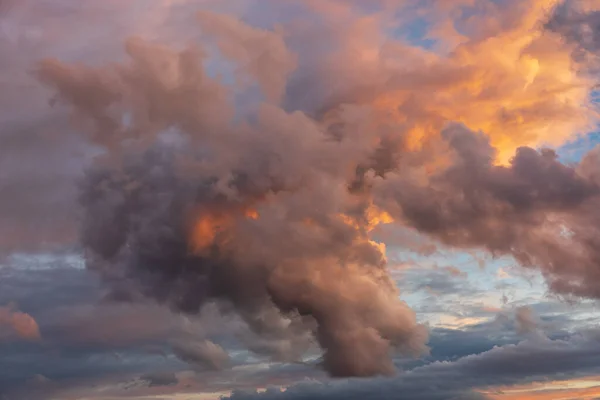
{"x":299,"y":199}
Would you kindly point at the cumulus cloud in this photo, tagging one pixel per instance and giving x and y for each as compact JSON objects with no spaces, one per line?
{"x":260,"y":53}
{"x":505,"y":93}
{"x":536,"y":209}
{"x":236,"y":224}
{"x":271,"y":214}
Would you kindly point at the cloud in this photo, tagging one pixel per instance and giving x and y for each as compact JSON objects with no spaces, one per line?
{"x":81,"y":367}
{"x":438,"y":281}
{"x":243,"y":230}
{"x":41,"y":157}
{"x":160,"y":379}
{"x":92,"y":325}
{"x":260,"y":53}
{"x":271,"y":214}
{"x":91,"y":340}
{"x":86,"y":337}
{"x":520,"y":210}
{"x":17,"y":324}
{"x":203,"y":353}
{"x":526,"y":321}
{"x":576,"y":22}
{"x":37,"y":185}
{"x":508,"y":365}
{"x":503,"y":93}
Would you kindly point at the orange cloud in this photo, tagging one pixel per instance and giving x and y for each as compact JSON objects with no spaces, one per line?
{"x":211,"y":226}
{"x":583,"y":389}
{"x":506,"y":76}
{"x":17,"y":323}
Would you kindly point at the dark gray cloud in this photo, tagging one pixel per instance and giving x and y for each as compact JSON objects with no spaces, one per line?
{"x":87,"y":337}
{"x":506,"y":365}
{"x":78,"y":338}
{"x":160,"y":379}
{"x":82,"y":335}
{"x":120,"y":345}
{"x":36,"y":283}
